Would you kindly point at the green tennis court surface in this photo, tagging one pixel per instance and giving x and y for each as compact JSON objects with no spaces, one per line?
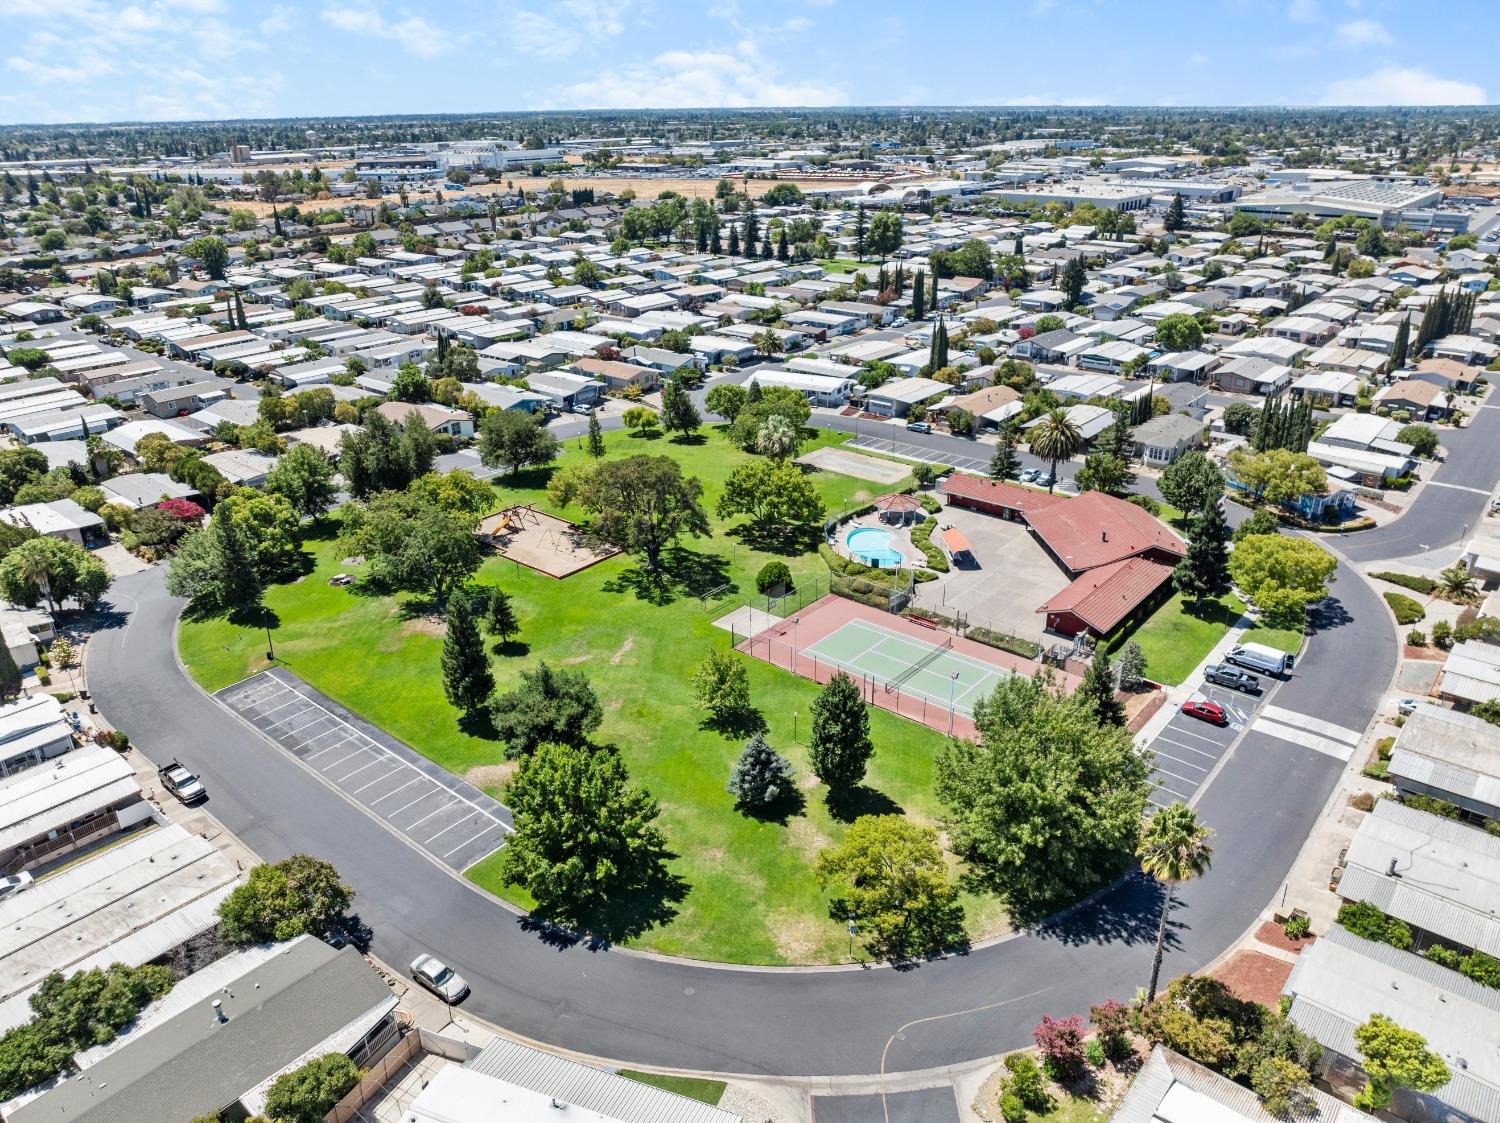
{"x":912,"y":666}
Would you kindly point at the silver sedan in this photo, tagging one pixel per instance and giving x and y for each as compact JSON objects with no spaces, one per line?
{"x":438,"y":977}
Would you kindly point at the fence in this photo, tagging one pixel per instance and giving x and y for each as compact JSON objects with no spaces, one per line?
{"x":962,"y":624}
{"x":888,"y":695}
{"x":413,"y":1046}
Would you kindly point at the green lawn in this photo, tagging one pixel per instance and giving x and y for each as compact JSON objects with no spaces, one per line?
{"x":1175,"y":640}
{"x":694,"y":1088}
{"x":1283,"y":639}
{"x":752,"y":895}
{"x":839,"y":264}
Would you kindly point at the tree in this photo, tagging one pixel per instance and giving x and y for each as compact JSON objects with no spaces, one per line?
{"x":778,"y":438}
{"x":458,"y":493}
{"x":1262,"y":520}
{"x":884,"y":236}
{"x":1056,"y":439}
{"x":1282,"y":1087}
{"x":1422,"y":438}
{"x":762,"y":778}
{"x":1106,"y":472}
{"x":308,"y":1093}
{"x":1060,"y":1042}
{"x":380,"y":457}
{"x":1179,"y":332}
{"x":303,"y":477}
{"x":1238,"y":417}
{"x":1458,"y":584}
{"x":216,"y":568}
{"x":1074,"y":277}
{"x":584,"y":836}
{"x":272,"y":528}
{"x":641,"y":504}
{"x":19,"y":467}
{"x":1204,"y":573}
{"x":52,"y":570}
{"x":918,"y":295}
{"x":467,"y":681}
{"x":1279,"y":475}
{"x":1402,"y":344}
{"x":1176,"y":217}
{"x":1395,"y":1057}
{"x":1005,"y":464}
{"x":861,"y":231}
{"x":678,"y":414}
{"x":500,"y":616}
{"x":1098,"y":690}
{"x":725,"y":399}
{"x":721,"y":685}
{"x":1191,"y":481}
{"x":778,"y":496}
{"x":838,"y":747}
{"x":297,"y":896}
{"x":595,"y":439}
{"x":1282,"y":575}
{"x":411,"y":544}
{"x":514,"y":440}
{"x":1173,"y":848}
{"x":551,"y":707}
{"x":212,"y":253}
{"x":1046,"y":804}
{"x":642,"y":419}
{"x":888,"y":878}
{"x":1131,"y":666}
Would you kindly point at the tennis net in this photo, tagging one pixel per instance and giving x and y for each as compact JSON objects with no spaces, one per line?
{"x":931,"y":657}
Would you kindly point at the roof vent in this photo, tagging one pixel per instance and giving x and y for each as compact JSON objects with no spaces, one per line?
{"x":1103,"y":536}
{"x":1390,"y":870}
{"x":219,"y":1011}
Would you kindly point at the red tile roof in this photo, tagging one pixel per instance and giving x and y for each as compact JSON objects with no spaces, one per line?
{"x":1104,"y":596}
{"x":1095,"y":529}
{"x":998,"y":493}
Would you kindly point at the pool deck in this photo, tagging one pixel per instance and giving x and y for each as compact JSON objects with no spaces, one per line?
{"x":898,"y":537}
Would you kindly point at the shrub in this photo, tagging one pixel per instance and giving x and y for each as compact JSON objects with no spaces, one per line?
{"x":1445,"y":957}
{"x":1442,"y":635}
{"x":1026,"y":1082}
{"x":774,"y":574}
{"x":1416,"y":638}
{"x":1111,"y":1020}
{"x":1061,"y":1043}
{"x":1011,"y":1109}
{"x":1483,"y":969}
{"x":1367,"y":921}
{"x":1362,"y":801}
{"x":307,"y":1094}
{"x":1146,"y":503}
{"x":921,"y":538}
{"x":1093,"y":1052}
{"x":1407,"y":611}
{"x":1297,"y":927}
{"x":1424,"y":585}
{"x":1004,"y":641}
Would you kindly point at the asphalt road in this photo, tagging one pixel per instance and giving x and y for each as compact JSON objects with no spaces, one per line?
{"x":1262,"y":802}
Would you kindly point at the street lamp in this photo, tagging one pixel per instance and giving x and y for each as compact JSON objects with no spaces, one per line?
{"x":952,"y":684}
{"x":794,"y":727}
{"x":270,"y":647}
{"x":853,"y":930}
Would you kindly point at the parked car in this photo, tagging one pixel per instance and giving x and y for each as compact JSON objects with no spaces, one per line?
{"x":1029,"y":475}
{"x":1222,"y":674}
{"x":15,"y":883}
{"x":1044,"y":479}
{"x":1205,"y":711}
{"x":438,"y":977}
{"x":1259,"y":657}
{"x":1407,"y":706}
{"x":918,"y":427}
{"x":900,"y":322}
{"x":182,"y":783}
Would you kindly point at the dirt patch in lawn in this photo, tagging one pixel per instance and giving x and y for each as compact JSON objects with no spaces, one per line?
{"x":625,"y":649}
{"x":573,"y":660}
{"x":797,"y":938}
{"x":807,"y":838}
{"x":492,"y":777}
{"x":424,"y":626}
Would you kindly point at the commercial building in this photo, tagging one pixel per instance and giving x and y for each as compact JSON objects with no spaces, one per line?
{"x":1381,"y":201}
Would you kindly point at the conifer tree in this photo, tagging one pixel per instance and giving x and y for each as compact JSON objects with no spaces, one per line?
{"x":761,"y":777}
{"x":1204,"y":572}
{"x":1005,"y":464}
{"x":918,"y":295}
{"x":467,"y":681}
{"x":500,"y":616}
{"x":10,"y":675}
{"x":1098,"y":690}
{"x":839,"y":747}
{"x":595,"y":440}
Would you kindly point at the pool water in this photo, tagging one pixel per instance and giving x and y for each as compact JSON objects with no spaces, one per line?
{"x":871,"y":545}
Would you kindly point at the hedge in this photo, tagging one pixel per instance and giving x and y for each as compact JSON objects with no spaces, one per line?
{"x":1407,"y":610}
{"x":921,"y":538}
{"x":1424,"y":585}
{"x":1004,"y":641}
{"x":1368,"y":921}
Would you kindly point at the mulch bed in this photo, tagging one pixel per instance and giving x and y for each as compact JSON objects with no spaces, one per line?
{"x":1431,"y":654}
{"x":1274,"y":935}
{"x":1254,"y":976}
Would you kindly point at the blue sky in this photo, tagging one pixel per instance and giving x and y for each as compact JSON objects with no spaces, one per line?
{"x":103,"y":60}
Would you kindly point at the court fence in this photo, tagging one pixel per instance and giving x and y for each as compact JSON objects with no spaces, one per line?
{"x":877,"y":691}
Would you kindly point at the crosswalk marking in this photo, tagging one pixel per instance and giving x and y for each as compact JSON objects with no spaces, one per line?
{"x":1305,"y":738}
{"x":1314,"y":724}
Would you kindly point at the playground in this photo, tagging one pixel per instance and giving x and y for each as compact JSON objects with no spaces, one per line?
{"x":540,"y":541}
{"x":902,"y":665}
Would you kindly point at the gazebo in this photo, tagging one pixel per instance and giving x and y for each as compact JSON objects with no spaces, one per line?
{"x":897,"y":508}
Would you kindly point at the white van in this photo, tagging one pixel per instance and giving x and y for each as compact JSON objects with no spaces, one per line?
{"x":1259,"y":657}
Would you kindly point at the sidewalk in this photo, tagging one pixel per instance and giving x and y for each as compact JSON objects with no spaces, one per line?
{"x":1177,"y":695}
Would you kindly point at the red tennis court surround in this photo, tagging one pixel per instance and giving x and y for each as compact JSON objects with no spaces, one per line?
{"x":911,"y":669}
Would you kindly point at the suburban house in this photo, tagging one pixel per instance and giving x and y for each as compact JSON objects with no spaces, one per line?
{"x":243,"y":467}
{"x":440,"y":419}
{"x":617,"y":375}
{"x":1423,"y":400}
{"x":1448,"y":754}
{"x":1362,"y":448}
{"x":61,"y":518}
{"x":24,"y":631}
{"x":1161,"y":440}
{"x":82,"y":797}
{"x":1183,"y":366}
{"x":144,"y":489}
{"x":571,"y":392}
{"x":1252,"y":374}
{"x":32,"y":729}
{"x":1170,"y":1088}
{"x":897,"y":397}
{"x":1326,"y":388}
{"x":818,"y":389}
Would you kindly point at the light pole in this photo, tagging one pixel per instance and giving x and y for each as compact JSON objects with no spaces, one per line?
{"x":853,"y":930}
{"x":270,"y":647}
{"x":952,"y":685}
{"x":795,"y":648}
{"x":794,"y":727}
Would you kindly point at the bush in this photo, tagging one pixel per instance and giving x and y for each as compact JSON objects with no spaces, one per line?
{"x":1061,"y":1043}
{"x":1011,"y":1109}
{"x":1093,"y":1052}
{"x":1004,"y":641}
{"x":1407,"y":610}
{"x":1445,"y":957}
{"x":1416,"y":638}
{"x":1367,"y":921}
{"x":1424,"y":585}
{"x":1483,"y":969}
{"x":1362,"y":801}
{"x":1145,"y":502}
{"x":1026,"y":1082}
{"x":1297,"y":927}
{"x":921,"y":538}
{"x":307,"y":1094}
{"x":1442,"y":635}
{"x":772,"y":575}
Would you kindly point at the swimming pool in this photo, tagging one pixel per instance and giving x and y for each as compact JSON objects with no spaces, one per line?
{"x":872,"y":546}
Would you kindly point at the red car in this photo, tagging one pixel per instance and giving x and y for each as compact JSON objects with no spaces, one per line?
{"x":1205,"y":711}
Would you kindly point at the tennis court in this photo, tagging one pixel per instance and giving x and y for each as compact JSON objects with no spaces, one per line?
{"x":915,"y":667}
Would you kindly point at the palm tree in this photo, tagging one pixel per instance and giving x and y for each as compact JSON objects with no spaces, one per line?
{"x":1457,"y":584}
{"x":766,"y":343}
{"x":778,"y":437}
{"x":1173,"y":848}
{"x":1056,"y":439}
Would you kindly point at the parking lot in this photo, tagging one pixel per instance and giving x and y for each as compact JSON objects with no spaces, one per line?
{"x":1188,"y":748}
{"x":906,"y":451}
{"x":451,"y":820}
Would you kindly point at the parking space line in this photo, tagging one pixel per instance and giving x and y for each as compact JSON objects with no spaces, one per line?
{"x":1184,"y":779}
{"x":341,"y":760}
{"x":339,"y":744}
{"x":1185,"y":748}
{"x":372,"y":783}
{"x":402,"y":788}
{"x":361,"y":768}
{"x":1183,"y":763}
{"x":1200,"y":736}
{"x":471,"y":838}
{"x":449,"y":827}
{"x":1174,"y":791}
{"x":404,"y":806}
{"x":429,"y":815}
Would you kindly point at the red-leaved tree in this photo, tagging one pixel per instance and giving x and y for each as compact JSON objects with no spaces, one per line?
{"x":1061,"y":1043}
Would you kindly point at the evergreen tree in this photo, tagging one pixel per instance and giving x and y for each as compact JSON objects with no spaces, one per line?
{"x":761,"y":777}
{"x":1400,"y":347}
{"x":702,"y":238}
{"x":899,"y":281}
{"x":734,"y":241}
{"x":932,"y":295}
{"x":918,"y":295}
{"x":861,"y":228}
{"x":1204,"y":572}
{"x":276,"y":219}
{"x":237,"y":579}
{"x":1116,"y":440}
{"x":783,"y":247}
{"x":715,"y":243}
{"x":1176,"y":216}
{"x":10,"y":675}
{"x":839,"y":747}
{"x":753,"y":392}
{"x":1074,"y":277}
{"x":595,"y":440}
{"x":678,"y":414}
{"x":500,"y":616}
{"x":751,"y":234}
{"x":1098,"y":690}
{"x":940,"y":346}
{"x":466,"y":668}
{"x":1005,"y":464}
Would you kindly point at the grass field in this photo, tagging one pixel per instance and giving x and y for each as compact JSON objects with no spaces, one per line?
{"x":1175,"y":641}
{"x":752,"y":896}
{"x":693,"y":1087}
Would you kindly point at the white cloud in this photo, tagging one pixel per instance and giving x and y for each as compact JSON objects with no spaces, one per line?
{"x":1402,"y":85}
{"x":1362,"y":33}
{"x":573,"y":26}
{"x":728,"y":78}
{"x":419,"y":37}
{"x":278,"y":22}
{"x":1198,"y":58}
{"x":1304,"y":11}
